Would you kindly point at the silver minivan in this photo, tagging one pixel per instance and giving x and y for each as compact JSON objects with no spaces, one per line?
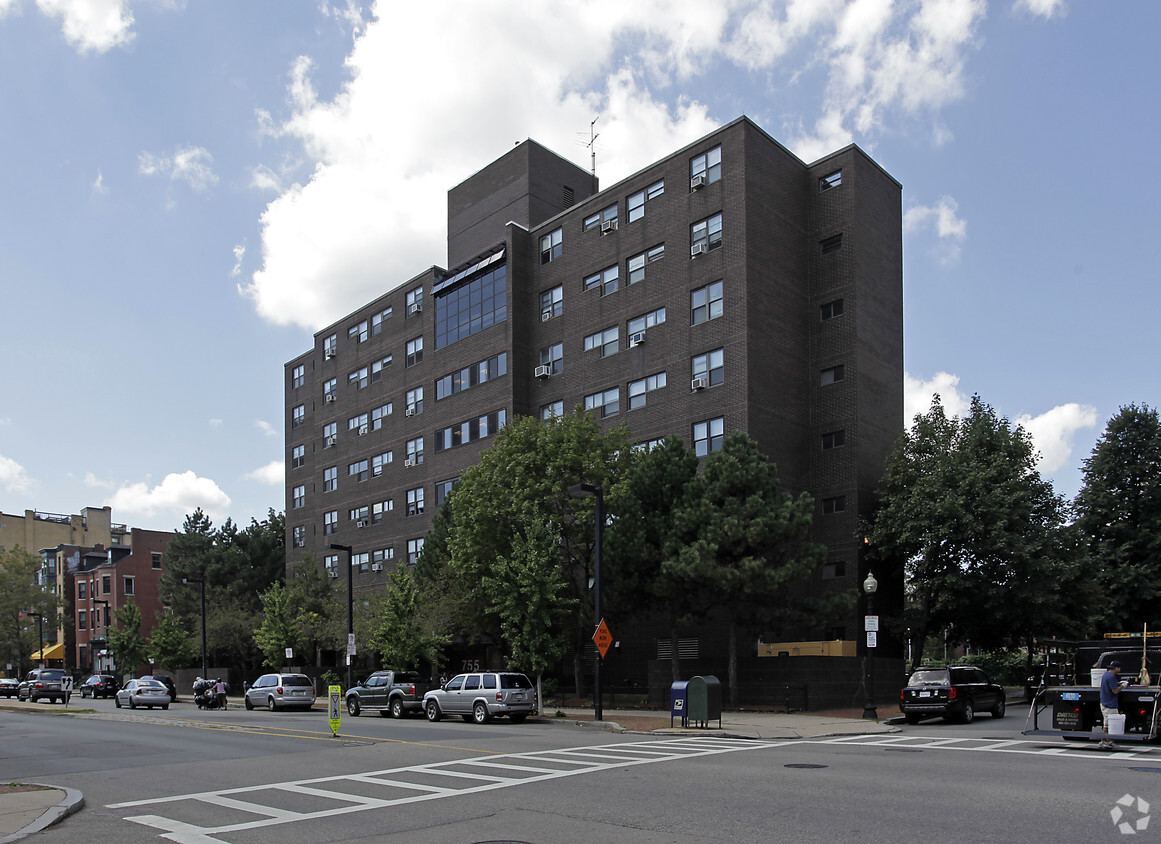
{"x":482,"y":697}
{"x":281,"y":691}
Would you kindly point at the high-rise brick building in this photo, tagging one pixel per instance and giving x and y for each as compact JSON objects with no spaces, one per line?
{"x":726,"y":286}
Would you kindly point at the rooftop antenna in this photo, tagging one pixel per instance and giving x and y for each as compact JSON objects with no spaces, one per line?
{"x":592,"y":145}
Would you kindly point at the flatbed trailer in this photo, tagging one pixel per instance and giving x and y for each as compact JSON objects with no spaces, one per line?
{"x":1074,"y":713}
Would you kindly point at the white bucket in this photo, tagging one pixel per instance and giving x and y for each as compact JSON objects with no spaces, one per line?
{"x":1116,"y":725}
{"x":1095,"y":676}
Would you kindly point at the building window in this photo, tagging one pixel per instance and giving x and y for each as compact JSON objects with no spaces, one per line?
{"x":360,"y":470}
{"x":711,"y":365}
{"x":129,"y":586}
{"x":359,"y":514}
{"x":331,"y":564}
{"x":298,"y":457}
{"x":379,"y":414}
{"x":836,"y":569}
{"x":378,"y":366}
{"x":609,"y":402}
{"x":106,"y":584}
{"x":608,"y":280}
{"x":836,"y":504}
{"x":608,"y":341}
{"x":831,"y":180}
{"x":637,"y":263}
{"x":330,"y":390}
{"x":834,"y":439}
{"x":381,"y":556}
{"x":639,"y":324}
{"x":415,"y":450}
{"x":358,"y":424}
{"x":552,"y":410}
{"x":415,"y":501}
{"x":82,"y":590}
{"x":82,"y":620}
{"x":831,"y":244}
{"x":832,"y":375}
{"x":638,"y":389}
{"x":706,"y":303}
{"x":414,"y":549}
{"x":331,"y":346}
{"x":707,"y":165}
{"x":414,"y":351}
{"x":471,"y":306}
{"x":706,"y":234}
{"x":472,"y":429}
{"x":378,"y":319}
{"x":298,"y":416}
{"x":360,"y":332}
{"x":605,"y":215}
{"x":298,"y":377}
{"x":636,"y":203}
{"x":380,"y":509}
{"x":298,"y":496}
{"x":361,"y":562}
{"x":331,"y":434}
{"x":443,"y":490}
{"x":360,"y":378}
{"x":553,"y":358}
{"x":708,"y":435}
{"x":415,"y":401}
{"x":552,"y":303}
{"x":551,"y":246}
{"x":831,"y":310}
{"x":299,"y":536}
{"x":330,"y":479}
{"x":155,"y":559}
{"x":414,"y":301}
{"x":379,"y":461}
{"x":471,"y":376}
{"x":648,"y":445}
{"x":330,"y":523}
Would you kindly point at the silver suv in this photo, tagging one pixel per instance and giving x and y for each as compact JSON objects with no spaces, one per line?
{"x":482,"y":697}
{"x":281,"y":691}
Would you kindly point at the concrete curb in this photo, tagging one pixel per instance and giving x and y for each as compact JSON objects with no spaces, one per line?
{"x":72,"y":802}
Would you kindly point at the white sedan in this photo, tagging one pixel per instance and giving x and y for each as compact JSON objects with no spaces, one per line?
{"x":137,"y":693}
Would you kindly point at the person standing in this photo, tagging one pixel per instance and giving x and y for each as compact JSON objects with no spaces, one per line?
{"x":220,"y":691}
{"x":1110,"y":692}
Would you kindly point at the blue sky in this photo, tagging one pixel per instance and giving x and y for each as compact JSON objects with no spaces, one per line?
{"x":192,"y":189}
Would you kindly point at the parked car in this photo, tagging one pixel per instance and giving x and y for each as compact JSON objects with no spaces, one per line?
{"x":165,"y":681}
{"x":100,"y":685}
{"x":142,"y":692}
{"x":394,"y":693}
{"x":482,"y":697}
{"x":281,"y":691}
{"x":43,"y":683}
{"x":953,"y":692}
{"x":9,"y":686}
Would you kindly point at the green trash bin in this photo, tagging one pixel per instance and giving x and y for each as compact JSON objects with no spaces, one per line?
{"x":704,"y":701}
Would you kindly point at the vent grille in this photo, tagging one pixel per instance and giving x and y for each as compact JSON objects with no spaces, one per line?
{"x":568,"y":199}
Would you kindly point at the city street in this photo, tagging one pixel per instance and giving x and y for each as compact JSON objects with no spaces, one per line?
{"x":237,"y":776}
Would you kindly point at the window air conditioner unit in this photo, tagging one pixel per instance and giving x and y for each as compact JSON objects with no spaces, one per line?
{"x":636,"y":339}
{"x":698,"y":249}
{"x":330,"y":352}
{"x":378,"y":470}
{"x":376,"y":567}
{"x":409,"y":462}
{"x":542,"y":371}
{"x":608,"y":226}
{"x":699,"y":383}
{"x":331,"y":440}
{"x":411,"y":410}
{"x":332,"y":573}
{"x":697,"y":181}
{"x":331,"y":397}
{"x":362,"y":430}
{"x":545,"y":316}
{"x":414,"y":308}
{"x":361,"y":523}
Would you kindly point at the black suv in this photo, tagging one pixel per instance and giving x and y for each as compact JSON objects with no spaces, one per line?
{"x":100,"y":685}
{"x":43,"y":683}
{"x":954,"y":692}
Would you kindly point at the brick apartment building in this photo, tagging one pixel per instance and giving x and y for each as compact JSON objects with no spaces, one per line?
{"x":728,"y":286}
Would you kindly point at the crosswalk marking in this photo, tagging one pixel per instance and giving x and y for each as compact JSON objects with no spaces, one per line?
{"x":980,"y":745}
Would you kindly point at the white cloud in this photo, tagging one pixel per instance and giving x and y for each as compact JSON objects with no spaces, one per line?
{"x":1054,"y":432}
{"x":99,"y":188}
{"x":239,"y":254}
{"x":917,"y":396}
{"x":1041,"y":8}
{"x":372,"y":211}
{"x":193,"y":165}
{"x":95,"y":26}
{"x":215,"y":423}
{"x":13,"y":477}
{"x":273,"y":473}
{"x":266,"y":428}
{"x":945,"y":219}
{"x":177,"y":493}
{"x":7,"y":6}
{"x":91,"y":480}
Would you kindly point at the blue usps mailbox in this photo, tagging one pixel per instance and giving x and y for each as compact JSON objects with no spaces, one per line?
{"x":679,"y":702}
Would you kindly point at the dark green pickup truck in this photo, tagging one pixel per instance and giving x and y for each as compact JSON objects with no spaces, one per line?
{"x":394,"y":693}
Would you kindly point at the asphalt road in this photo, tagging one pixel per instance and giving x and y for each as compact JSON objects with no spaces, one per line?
{"x":411,"y":781}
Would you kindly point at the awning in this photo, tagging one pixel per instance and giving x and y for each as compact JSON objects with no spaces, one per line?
{"x":51,"y":652}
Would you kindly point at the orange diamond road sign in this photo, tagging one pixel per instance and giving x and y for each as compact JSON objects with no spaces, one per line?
{"x":603,"y":638}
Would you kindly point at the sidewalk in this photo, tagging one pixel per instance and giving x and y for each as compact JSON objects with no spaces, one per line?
{"x":29,"y":808}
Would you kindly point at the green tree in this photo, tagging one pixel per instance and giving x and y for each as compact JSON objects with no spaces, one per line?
{"x":1119,"y":516}
{"x":171,"y":644}
{"x":21,"y":598}
{"x":321,"y":612}
{"x":125,"y":639}
{"x":398,"y":634}
{"x":279,"y":629}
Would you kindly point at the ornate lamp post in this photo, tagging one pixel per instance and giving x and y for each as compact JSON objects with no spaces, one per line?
{"x":872,"y":621}
{"x":580,"y":491}
{"x":350,"y":609}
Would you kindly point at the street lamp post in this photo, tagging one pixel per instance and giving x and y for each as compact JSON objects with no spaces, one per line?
{"x":579,"y":491}
{"x":40,"y":627}
{"x":350,"y":608}
{"x":201,"y":581}
{"x":869,"y":586}
{"x":92,"y":650}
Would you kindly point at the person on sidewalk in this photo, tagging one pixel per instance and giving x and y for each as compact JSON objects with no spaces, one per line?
{"x":220,"y":691}
{"x":1110,"y":690}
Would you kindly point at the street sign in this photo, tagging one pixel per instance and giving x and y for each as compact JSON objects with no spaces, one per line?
{"x":871,"y":623}
{"x":603,"y":638}
{"x":336,"y":707}
{"x":350,"y":645}
{"x":290,"y":653}
{"x":872,"y":639}
{"x":66,"y":683}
